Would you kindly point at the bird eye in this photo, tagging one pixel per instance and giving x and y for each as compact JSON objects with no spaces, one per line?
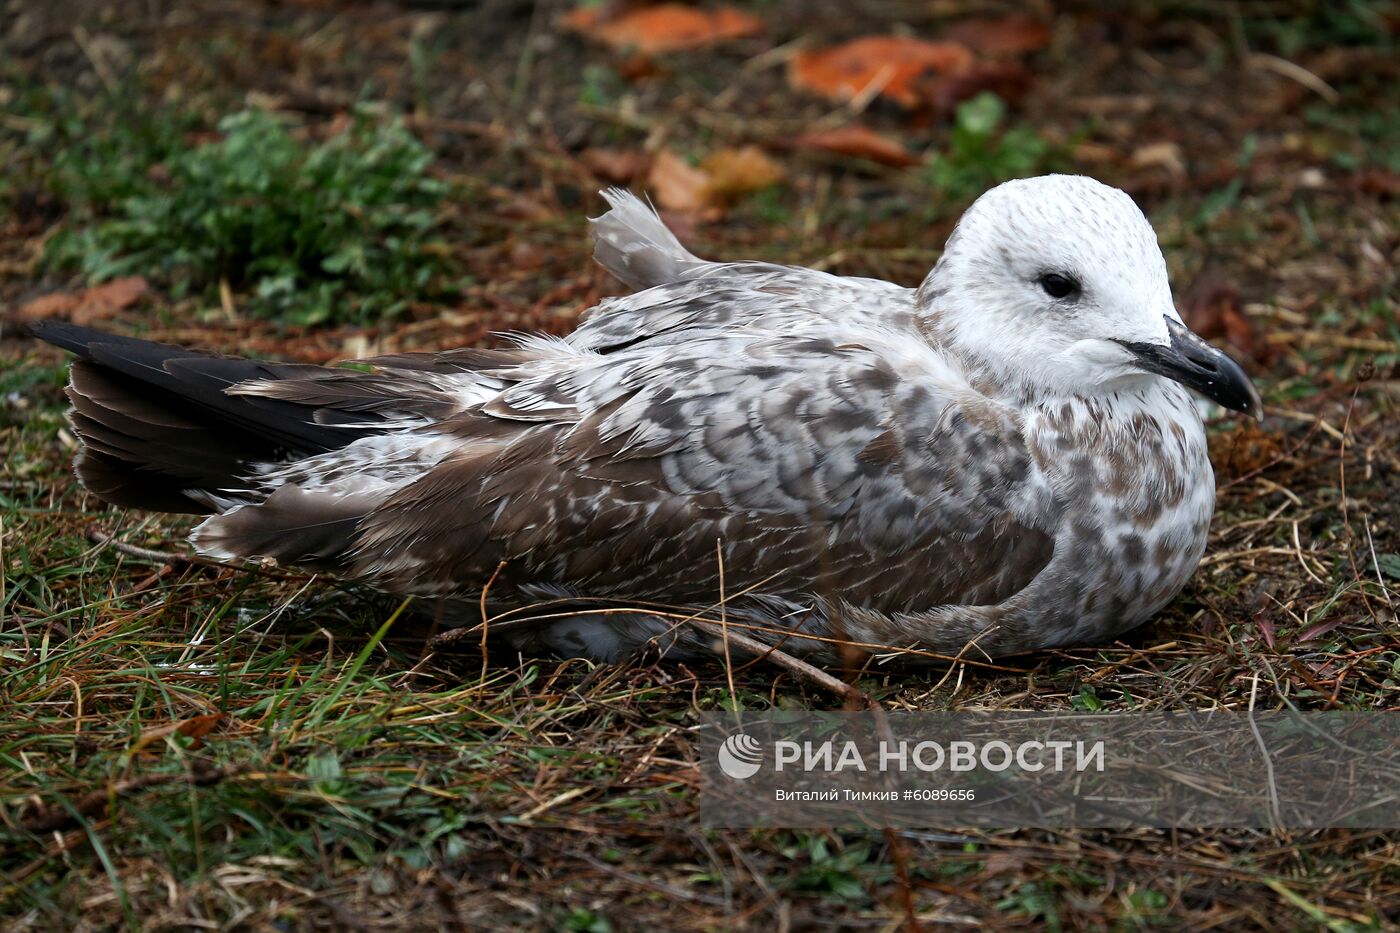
{"x":1057,"y":285}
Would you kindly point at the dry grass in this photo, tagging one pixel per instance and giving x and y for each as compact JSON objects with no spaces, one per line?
{"x":192,"y":746}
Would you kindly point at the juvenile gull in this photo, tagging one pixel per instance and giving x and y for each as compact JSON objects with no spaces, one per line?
{"x":1006,"y":456}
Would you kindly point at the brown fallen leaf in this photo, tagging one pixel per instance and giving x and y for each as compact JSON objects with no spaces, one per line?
{"x":1377,"y":181}
{"x":1009,"y":80}
{"x":895,"y":65}
{"x":618,"y":166}
{"x":859,"y":142}
{"x":1322,"y":628}
{"x":52,"y":305}
{"x":1212,"y":308}
{"x":666,"y":27}
{"x":1166,"y":155}
{"x":197,"y":727}
{"x":97,"y":303}
{"x":1002,"y":863}
{"x":638,"y":67}
{"x":1015,"y":34}
{"x":1265,"y":622}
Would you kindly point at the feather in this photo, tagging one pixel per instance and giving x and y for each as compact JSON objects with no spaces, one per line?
{"x":632,"y":243}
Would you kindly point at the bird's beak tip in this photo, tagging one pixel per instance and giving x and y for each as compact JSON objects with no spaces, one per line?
{"x":1191,"y":361}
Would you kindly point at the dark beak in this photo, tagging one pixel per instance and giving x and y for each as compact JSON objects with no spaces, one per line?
{"x":1197,"y":365}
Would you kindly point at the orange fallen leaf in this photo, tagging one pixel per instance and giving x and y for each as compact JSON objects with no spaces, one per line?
{"x":195,"y":729}
{"x":893,"y":65}
{"x":860,"y":143}
{"x":735,"y":172}
{"x":722,"y":177}
{"x":678,"y":185}
{"x":1015,"y":34}
{"x":666,"y":27}
{"x":1245,"y":448}
{"x":94,"y":304}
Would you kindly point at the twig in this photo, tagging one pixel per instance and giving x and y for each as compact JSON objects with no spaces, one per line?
{"x":485,"y":626}
{"x":131,"y":550}
{"x":899,"y":855}
{"x":1276,"y":818}
{"x":670,"y":890}
{"x":1375,"y":562}
{"x":1295,"y":72}
{"x":811,"y":674}
{"x":1346,"y":514}
{"x":511,"y":619}
{"x":94,"y":57}
{"x":724,"y":627}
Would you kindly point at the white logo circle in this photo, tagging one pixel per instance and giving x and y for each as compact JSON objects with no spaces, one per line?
{"x":740,"y":756}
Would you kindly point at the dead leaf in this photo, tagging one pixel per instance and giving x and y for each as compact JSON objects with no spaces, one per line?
{"x":195,"y":728}
{"x":522,"y":255}
{"x":1008,"y":80}
{"x":1266,"y":629}
{"x":618,"y":166}
{"x":1016,"y":34}
{"x":55,"y":304}
{"x":859,"y":142}
{"x":677,"y":184}
{"x":97,"y":303}
{"x":721,"y":178}
{"x":736,"y":172}
{"x":666,"y":27}
{"x":1377,"y":181}
{"x":1001,"y":863}
{"x":1244,"y":449}
{"x":1212,"y":308}
{"x":1322,"y":628}
{"x":895,"y":65}
{"x":636,"y":68}
{"x":1165,"y":155}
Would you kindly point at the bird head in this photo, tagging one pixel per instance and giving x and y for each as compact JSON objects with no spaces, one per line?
{"x":1056,"y":287}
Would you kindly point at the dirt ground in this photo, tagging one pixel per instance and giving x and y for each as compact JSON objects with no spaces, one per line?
{"x":190,"y":746}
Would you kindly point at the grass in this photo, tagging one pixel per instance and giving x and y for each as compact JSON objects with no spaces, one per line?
{"x":343,"y":230}
{"x":193,"y":746}
{"x":982,"y":152}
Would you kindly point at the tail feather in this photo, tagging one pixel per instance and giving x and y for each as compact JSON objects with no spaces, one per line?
{"x":632,"y":243}
{"x":291,"y":526}
{"x":158,"y":425}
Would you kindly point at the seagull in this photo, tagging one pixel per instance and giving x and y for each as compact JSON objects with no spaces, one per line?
{"x":1003,"y":459}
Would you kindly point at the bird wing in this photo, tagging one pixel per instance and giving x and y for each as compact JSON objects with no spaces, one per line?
{"x":799,"y":465}
{"x":798,"y":440}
